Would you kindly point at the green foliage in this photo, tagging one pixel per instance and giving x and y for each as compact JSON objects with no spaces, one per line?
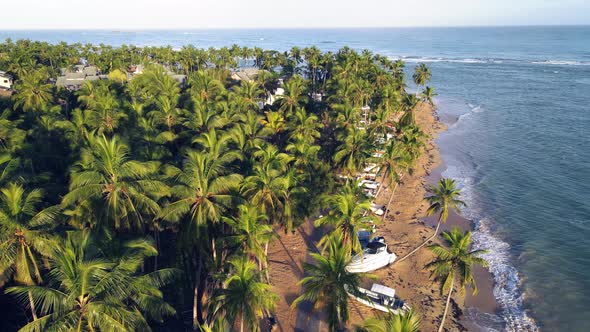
{"x":208,"y":168}
{"x":391,"y":322}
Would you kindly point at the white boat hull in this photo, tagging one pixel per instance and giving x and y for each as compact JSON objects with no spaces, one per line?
{"x":368,"y":263}
{"x":378,"y":306}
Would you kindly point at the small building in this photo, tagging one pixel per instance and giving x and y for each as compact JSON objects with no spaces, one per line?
{"x":279,"y":93}
{"x":72,"y":79}
{"x":134,"y":70}
{"x":5,"y":81}
{"x":317,"y":97}
{"x":245,"y":74}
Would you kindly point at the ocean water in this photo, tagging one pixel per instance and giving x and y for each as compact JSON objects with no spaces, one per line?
{"x":517,"y":102}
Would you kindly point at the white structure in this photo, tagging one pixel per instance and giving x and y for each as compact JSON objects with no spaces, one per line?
{"x":377,"y":209}
{"x":373,"y":257}
{"x":279,"y":93}
{"x":381,"y":298}
{"x":317,"y":97}
{"x":5,"y":81}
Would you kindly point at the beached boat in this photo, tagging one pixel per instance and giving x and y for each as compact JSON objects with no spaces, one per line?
{"x":381,"y":298}
{"x":377,"y":209}
{"x":373,"y":257}
{"x":368,"y":184}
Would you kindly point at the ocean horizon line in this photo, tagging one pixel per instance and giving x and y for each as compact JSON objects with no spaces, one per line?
{"x":129,"y":29}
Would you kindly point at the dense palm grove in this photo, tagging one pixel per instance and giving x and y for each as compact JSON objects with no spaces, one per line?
{"x":143,"y":204}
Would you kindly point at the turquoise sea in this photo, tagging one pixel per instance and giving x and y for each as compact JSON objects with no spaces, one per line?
{"x":517,"y":101}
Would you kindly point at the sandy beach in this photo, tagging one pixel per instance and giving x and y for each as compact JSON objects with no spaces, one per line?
{"x":405,"y":227}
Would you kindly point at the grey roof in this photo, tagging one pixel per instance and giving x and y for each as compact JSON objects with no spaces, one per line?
{"x":75,"y":76}
{"x":90,"y":70}
{"x":245,"y":74}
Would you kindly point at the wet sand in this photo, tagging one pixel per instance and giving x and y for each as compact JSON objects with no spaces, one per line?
{"x":404,"y":228}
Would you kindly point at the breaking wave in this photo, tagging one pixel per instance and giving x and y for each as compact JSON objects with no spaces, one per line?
{"x":418,"y":59}
{"x":512,"y":315}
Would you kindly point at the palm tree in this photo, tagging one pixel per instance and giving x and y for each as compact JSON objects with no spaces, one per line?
{"x":267,"y":188}
{"x":443,"y":198}
{"x":24,"y":235}
{"x":243,"y":296}
{"x":328,"y":283}
{"x":411,"y":140}
{"x":395,"y":162}
{"x":391,"y":322}
{"x":33,"y":93}
{"x":421,"y":75}
{"x":126,"y":190}
{"x":203,"y":188}
{"x":428,"y":94}
{"x":455,"y":263}
{"x":251,"y":231}
{"x":304,"y":126}
{"x":409,"y":103}
{"x":348,"y":214}
{"x":352,"y":154}
{"x":88,"y":291}
{"x":294,"y":95}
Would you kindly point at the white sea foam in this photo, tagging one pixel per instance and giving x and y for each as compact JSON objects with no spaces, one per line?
{"x":418,"y":59}
{"x":507,"y":283}
{"x":562,"y":63}
{"x":412,"y":59}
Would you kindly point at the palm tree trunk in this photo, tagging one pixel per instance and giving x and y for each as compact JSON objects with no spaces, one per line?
{"x":266,"y":263}
{"x":390,"y":199}
{"x":196,"y":295}
{"x":442,"y":322}
{"x":380,"y":185}
{"x":157,"y":238}
{"x":213,"y":248}
{"x":425,"y":242}
{"x":32,"y":303}
{"x":242,"y":323}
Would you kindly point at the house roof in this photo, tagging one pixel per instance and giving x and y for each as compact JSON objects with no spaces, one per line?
{"x":74,"y":76}
{"x":90,"y":70}
{"x":245,"y":74}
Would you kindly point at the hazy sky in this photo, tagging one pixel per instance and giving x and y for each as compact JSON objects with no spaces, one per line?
{"x":178,"y":14}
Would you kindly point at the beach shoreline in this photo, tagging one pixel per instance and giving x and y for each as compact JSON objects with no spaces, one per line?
{"x":405,"y":227}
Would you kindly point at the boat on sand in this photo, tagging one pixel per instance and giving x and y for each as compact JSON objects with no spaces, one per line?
{"x":381,"y":298}
{"x":374,"y":256}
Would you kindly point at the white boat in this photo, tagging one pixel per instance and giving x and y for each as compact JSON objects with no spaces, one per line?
{"x":377,"y":209}
{"x":381,"y":298}
{"x":373,"y":257}
{"x":368,"y":184}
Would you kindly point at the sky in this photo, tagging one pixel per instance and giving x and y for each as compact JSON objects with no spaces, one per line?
{"x":183,"y":14}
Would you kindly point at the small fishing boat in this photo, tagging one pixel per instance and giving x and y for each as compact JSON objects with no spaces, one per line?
{"x":373,"y":257}
{"x":377,"y":209}
{"x":381,"y":298}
